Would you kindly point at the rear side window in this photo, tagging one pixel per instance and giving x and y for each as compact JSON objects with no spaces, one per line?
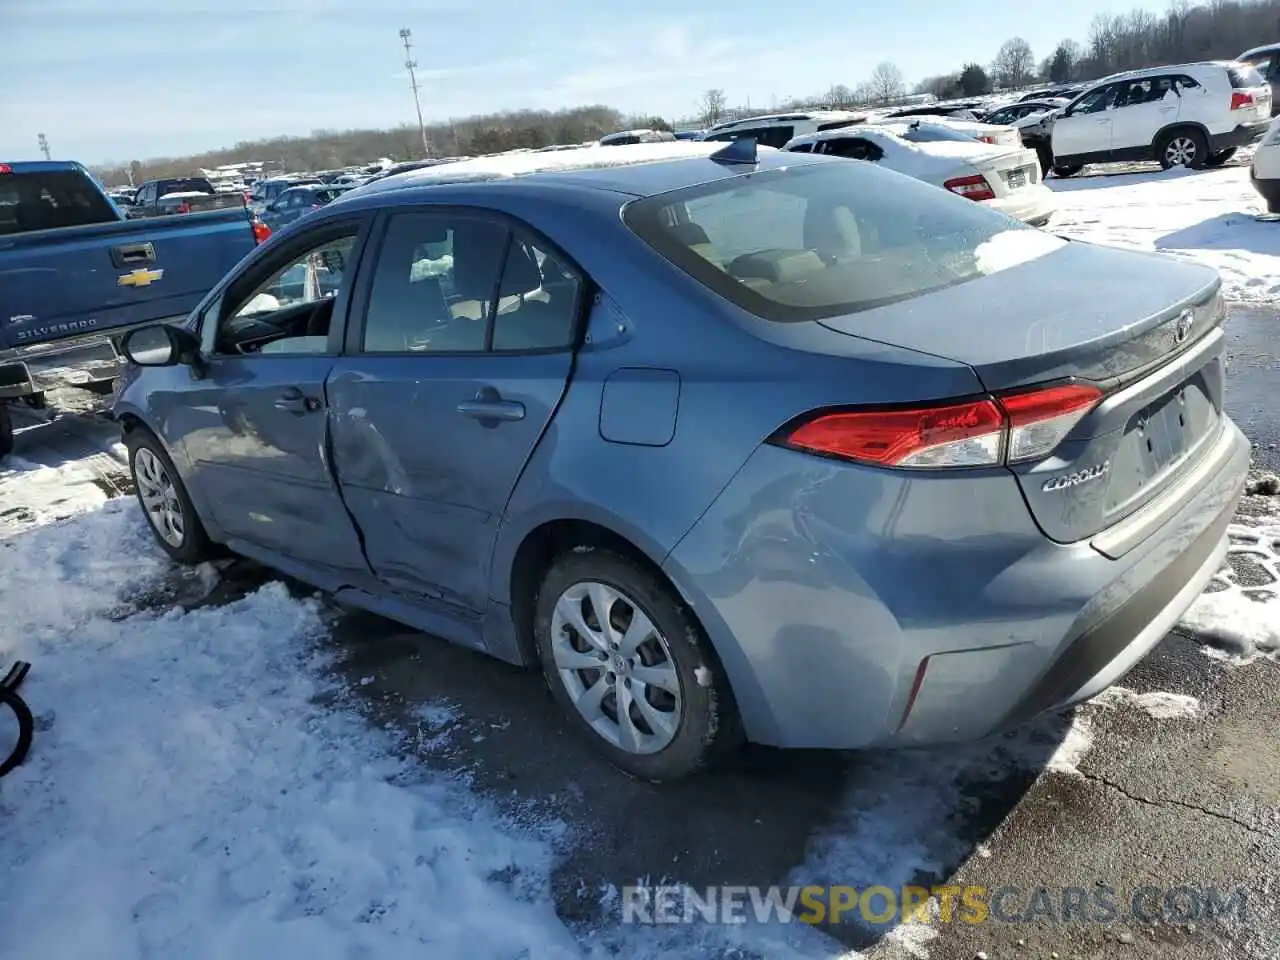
{"x":825,"y":239}
{"x":1244,"y":75}
{"x":46,"y":201}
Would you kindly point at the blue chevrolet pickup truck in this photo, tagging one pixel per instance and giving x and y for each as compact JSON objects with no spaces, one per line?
{"x":75,"y":275}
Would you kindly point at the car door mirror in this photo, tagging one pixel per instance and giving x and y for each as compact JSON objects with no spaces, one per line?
{"x":160,"y":345}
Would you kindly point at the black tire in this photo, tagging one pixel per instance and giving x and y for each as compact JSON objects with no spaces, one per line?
{"x":708,"y":728}
{"x":6,"y":430}
{"x":1195,"y":143}
{"x":1219,"y":158}
{"x":196,"y":547}
{"x":1067,"y":169}
{"x":26,"y":728}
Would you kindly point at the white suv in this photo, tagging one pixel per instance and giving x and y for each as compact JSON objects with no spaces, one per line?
{"x":1191,"y":114}
{"x":775,"y":129}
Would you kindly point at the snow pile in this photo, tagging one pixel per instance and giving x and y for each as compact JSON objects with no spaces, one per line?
{"x":1206,"y":216}
{"x":190,"y":794}
{"x":1241,"y":609}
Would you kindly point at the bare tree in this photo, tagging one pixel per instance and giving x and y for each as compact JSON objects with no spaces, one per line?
{"x":1015,"y":65}
{"x":839,"y":97}
{"x":711,"y":106}
{"x":886,"y":84}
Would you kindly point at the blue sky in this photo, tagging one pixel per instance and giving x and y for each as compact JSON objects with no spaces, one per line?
{"x":106,"y":82}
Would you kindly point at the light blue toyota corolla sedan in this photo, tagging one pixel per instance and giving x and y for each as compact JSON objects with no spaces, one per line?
{"x":731,"y":444}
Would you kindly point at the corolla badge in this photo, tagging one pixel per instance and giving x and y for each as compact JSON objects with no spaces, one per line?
{"x":1087,"y":475}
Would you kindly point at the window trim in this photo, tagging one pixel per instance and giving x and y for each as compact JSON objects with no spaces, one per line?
{"x":226,"y":297}
{"x":358,"y":309}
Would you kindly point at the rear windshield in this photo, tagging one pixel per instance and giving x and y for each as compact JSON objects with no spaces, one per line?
{"x":1245,"y":75}
{"x":45,"y":201}
{"x":828,"y":238}
{"x":933,"y":133}
{"x":183,"y":185}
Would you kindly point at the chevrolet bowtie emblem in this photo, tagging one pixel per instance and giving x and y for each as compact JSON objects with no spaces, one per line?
{"x":140,"y":278}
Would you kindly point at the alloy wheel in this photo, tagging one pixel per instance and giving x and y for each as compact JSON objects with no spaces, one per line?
{"x":1181,"y":151}
{"x":617,"y":667}
{"x":159,"y":497}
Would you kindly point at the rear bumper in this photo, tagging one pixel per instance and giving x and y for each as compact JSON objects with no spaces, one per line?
{"x":30,"y":371}
{"x":1033,"y":204}
{"x":855,"y":608}
{"x":1241,"y":136}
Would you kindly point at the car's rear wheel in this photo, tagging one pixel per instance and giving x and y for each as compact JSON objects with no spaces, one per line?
{"x":6,"y":431}
{"x":1182,"y":148}
{"x":1219,"y":158}
{"x":165,"y":502}
{"x":1067,"y":169}
{"x":631,"y":666}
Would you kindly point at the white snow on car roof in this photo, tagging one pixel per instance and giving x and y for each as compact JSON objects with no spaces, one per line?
{"x":594,"y":157}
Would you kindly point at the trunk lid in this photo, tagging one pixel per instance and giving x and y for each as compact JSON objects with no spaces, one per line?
{"x":1009,"y":172}
{"x":1146,"y":329}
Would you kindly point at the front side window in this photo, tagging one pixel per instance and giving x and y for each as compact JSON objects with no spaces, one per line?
{"x":856,"y":148}
{"x":1095,"y":101}
{"x":822,"y":240}
{"x":452,"y":283}
{"x":290,"y":310}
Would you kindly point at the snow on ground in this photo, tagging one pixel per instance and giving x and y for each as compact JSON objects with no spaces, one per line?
{"x":1204,"y":215}
{"x":1158,"y":704}
{"x":198,"y":789}
{"x":43,"y":493}
{"x":1241,"y":610}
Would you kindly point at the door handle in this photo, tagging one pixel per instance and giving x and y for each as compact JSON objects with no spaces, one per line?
{"x":295,"y":401}
{"x":488,"y":405}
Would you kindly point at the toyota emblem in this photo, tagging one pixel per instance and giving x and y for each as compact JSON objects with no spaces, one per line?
{"x":1182,"y":329}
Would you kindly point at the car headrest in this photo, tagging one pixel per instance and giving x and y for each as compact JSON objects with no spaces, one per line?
{"x":776,"y":266}
{"x":477,"y":258}
{"x":521,"y":273}
{"x":690,"y":234}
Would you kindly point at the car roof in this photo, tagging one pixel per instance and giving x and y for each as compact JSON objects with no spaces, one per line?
{"x":1254,"y":51}
{"x":817,"y":116}
{"x":1162,"y":70}
{"x":639,"y":170}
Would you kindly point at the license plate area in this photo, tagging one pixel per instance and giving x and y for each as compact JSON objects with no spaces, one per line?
{"x":1016,"y":178}
{"x":1158,"y":441}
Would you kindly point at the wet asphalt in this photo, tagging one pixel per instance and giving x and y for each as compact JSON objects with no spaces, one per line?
{"x":1190,"y":803}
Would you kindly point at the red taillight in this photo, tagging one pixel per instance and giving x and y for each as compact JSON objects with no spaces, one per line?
{"x":975,"y":187}
{"x":954,"y":435}
{"x":260,"y":231}
{"x":987,"y":432}
{"x":1240,"y":100}
{"x":5,"y":168}
{"x":987,"y":138}
{"x":1039,"y":419}
{"x":184,"y":208}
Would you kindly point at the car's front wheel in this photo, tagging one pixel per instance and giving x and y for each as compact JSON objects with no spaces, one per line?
{"x":631,"y":666}
{"x":165,"y":502}
{"x":1183,"y":148}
